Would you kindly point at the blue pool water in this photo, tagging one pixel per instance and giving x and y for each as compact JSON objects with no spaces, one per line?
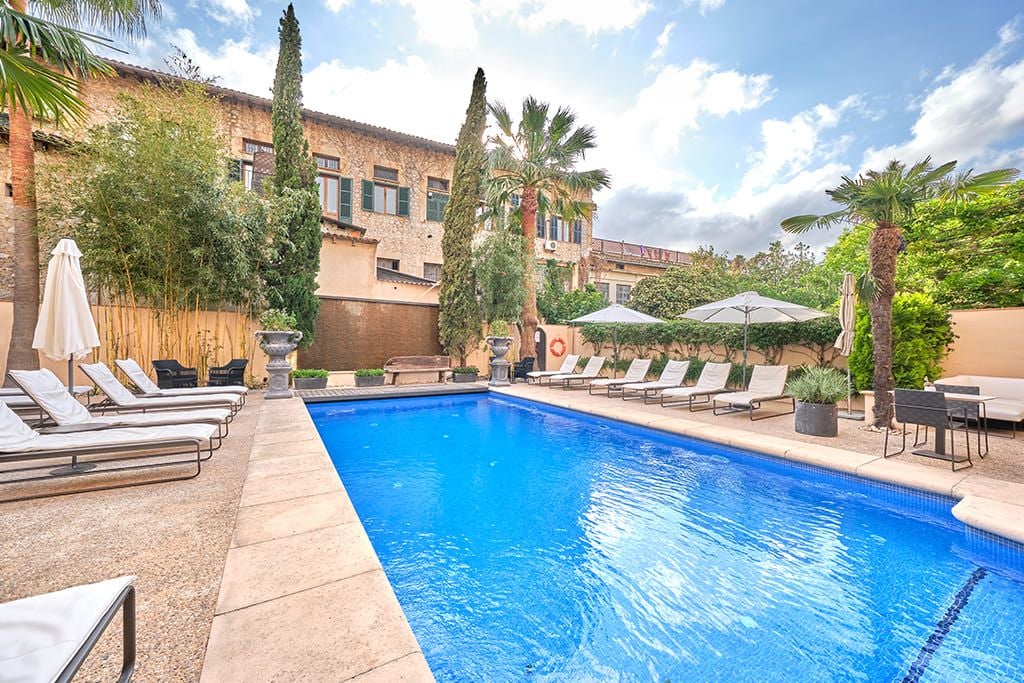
{"x":530,"y":543}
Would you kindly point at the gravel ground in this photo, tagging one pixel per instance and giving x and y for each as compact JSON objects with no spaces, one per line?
{"x":173,"y":536}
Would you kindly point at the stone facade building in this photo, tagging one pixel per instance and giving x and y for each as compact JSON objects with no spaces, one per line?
{"x":615,"y":267}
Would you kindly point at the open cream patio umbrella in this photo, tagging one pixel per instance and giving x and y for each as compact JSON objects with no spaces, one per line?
{"x":750,"y":308}
{"x":65,"y":330}
{"x":844,"y":342}
{"x":616,"y":315}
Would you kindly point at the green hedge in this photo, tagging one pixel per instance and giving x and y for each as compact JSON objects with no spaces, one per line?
{"x":922,"y":332}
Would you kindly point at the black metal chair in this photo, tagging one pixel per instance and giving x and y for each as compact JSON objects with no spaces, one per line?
{"x":927,"y":409}
{"x":966,"y":411}
{"x":231,"y":374}
{"x":170,"y":374}
{"x":522,"y":367}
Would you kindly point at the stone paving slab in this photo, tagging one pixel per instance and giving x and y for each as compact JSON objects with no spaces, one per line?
{"x":303,"y":596}
{"x":986,"y":503}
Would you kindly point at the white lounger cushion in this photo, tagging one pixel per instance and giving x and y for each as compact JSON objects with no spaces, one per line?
{"x":672,"y":376}
{"x":46,"y":390}
{"x":140,"y":379}
{"x":567,"y":366}
{"x":712,"y":378}
{"x":40,"y":635}
{"x":766,"y":381}
{"x":591,"y":369}
{"x":15,"y":391}
{"x":116,"y":392}
{"x":1009,"y":404}
{"x":637,"y":371}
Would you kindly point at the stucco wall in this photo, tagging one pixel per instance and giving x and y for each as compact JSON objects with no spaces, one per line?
{"x":348,"y":269}
{"x":989,"y":342}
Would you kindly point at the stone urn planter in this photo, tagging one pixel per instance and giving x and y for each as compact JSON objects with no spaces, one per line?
{"x":817,"y":419}
{"x":499,"y":346}
{"x":370,"y":381}
{"x":277,"y":344}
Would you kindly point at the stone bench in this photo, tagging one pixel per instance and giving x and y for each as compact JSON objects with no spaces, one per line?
{"x":417,"y":369}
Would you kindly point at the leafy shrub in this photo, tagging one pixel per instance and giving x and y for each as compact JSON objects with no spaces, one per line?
{"x":274,"y":320}
{"x":818,"y":385}
{"x":569,"y":305}
{"x":369,"y":372}
{"x":921,"y":335}
{"x":467,"y":370}
{"x":310,"y":372}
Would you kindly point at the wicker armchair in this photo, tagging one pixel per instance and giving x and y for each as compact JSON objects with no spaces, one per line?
{"x":521,"y":368}
{"x":170,"y":374}
{"x":232,"y":374}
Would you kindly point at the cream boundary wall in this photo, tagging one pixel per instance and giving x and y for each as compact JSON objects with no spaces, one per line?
{"x":989,"y":342}
{"x":348,"y":269}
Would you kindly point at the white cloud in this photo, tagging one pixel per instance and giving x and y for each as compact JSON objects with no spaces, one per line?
{"x":238,"y":64}
{"x":337,"y":5}
{"x":968,"y":114}
{"x":663,"y":40}
{"x":593,"y":16}
{"x":705,"y":6}
{"x":448,"y":24}
{"x":228,"y":11}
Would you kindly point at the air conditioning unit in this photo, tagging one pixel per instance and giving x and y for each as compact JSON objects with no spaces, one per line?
{"x":551,"y":245}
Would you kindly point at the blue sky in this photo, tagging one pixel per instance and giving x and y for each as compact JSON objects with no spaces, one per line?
{"x":716,"y":118}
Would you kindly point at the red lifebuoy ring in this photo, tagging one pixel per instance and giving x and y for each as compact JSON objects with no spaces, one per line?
{"x":557,"y":347}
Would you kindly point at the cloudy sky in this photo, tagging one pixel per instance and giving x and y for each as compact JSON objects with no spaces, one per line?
{"x":716,"y":118}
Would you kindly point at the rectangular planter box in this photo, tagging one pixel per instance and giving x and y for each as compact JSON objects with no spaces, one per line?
{"x":377,"y":381}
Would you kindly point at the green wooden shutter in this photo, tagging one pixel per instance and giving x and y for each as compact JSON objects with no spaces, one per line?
{"x":345,"y":200}
{"x":403,"y":201}
{"x":367,"y":195}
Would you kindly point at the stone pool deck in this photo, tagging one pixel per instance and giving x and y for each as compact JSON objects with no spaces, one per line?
{"x":259,"y":569}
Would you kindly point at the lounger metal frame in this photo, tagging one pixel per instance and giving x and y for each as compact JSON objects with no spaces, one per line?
{"x":194,"y":446}
{"x":707,"y":404}
{"x":124,"y":603}
{"x":650,"y":395}
{"x":752,"y":406}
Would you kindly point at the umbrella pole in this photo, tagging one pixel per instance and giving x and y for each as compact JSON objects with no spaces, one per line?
{"x":71,"y":376}
{"x":746,"y":326}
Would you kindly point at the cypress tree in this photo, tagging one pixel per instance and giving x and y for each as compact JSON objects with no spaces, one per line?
{"x":291,"y":281}
{"x":459,"y":318}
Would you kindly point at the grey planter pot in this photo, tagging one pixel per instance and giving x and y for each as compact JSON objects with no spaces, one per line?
{"x":309,"y":383}
{"x":375,"y":381}
{"x":277,"y":344}
{"x":499,"y":366}
{"x":817,"y":419}
{"x":463,"y":378}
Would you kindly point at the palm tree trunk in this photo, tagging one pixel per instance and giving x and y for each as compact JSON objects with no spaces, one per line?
{"x":529,"y":319}
{"x":20,"y":354}
{"x":883,"y":249}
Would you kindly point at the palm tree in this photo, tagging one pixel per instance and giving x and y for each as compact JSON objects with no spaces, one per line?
{"x":40,"y":61}
{"x":886,"y":200}
{"x":536,"y":160}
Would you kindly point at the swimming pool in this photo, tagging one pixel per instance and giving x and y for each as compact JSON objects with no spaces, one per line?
{"x":528,"y":542}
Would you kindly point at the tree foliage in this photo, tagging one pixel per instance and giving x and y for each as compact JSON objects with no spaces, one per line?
{"x":922,"y":334}
{"x":500,"y":271}
{"x":291,"y":277}
{"x":459,"y":317}
{"x":681,"y":288}
{"x":574,"y":304}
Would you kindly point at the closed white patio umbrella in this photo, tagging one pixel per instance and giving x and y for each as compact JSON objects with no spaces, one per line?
{"x":844,"y":342}
{"x":616,"y":314}
{"x":66,"y":329}
{"x":750,"y":308}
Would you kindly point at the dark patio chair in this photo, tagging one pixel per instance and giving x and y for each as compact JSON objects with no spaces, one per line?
{"x":928,"y":409}
{"x":170,"y":374}
{"x":965,"y":411}
{"x":521,"y":368}
{"x":231,"y":374}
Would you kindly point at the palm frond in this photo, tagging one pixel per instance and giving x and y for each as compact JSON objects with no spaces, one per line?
{"x":501,"y":117}
{"x":801,"y":224}
{"x":127,"y":18}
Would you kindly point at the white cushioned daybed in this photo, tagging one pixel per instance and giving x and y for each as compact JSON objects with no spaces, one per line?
{"x":1009,"y":392}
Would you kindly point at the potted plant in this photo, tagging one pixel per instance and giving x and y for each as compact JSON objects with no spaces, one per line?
{"x":369,"y":377}
{"x":465,"y":374}
{"x":310,"y":378}
{"x":817,"y":390}
{"x":499,"y":342}
{"x":278,"y":338}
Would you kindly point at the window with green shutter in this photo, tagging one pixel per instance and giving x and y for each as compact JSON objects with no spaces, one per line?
{"x":345,"y":200}
{"x":436,"y":202}
{"x":367,"y":195}
{"x":403,"y":201}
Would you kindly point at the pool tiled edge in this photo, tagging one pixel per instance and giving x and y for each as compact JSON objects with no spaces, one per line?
{"x":303,"y":595}
{"x":991,"y":505}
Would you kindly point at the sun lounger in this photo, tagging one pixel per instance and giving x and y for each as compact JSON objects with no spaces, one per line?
{"x":672,"y":376}
{"x":568,"y":365}
{"x":637,"y":371}
{"x":767,"y":383}
{"x":120,"y":399}
{"x":19,"y":443}
{"x":712,"y":380}
{"x":44,"y":387}
{"x":47,"y":637}
{"x":149,"y":389}
{"x":590,"y":371}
